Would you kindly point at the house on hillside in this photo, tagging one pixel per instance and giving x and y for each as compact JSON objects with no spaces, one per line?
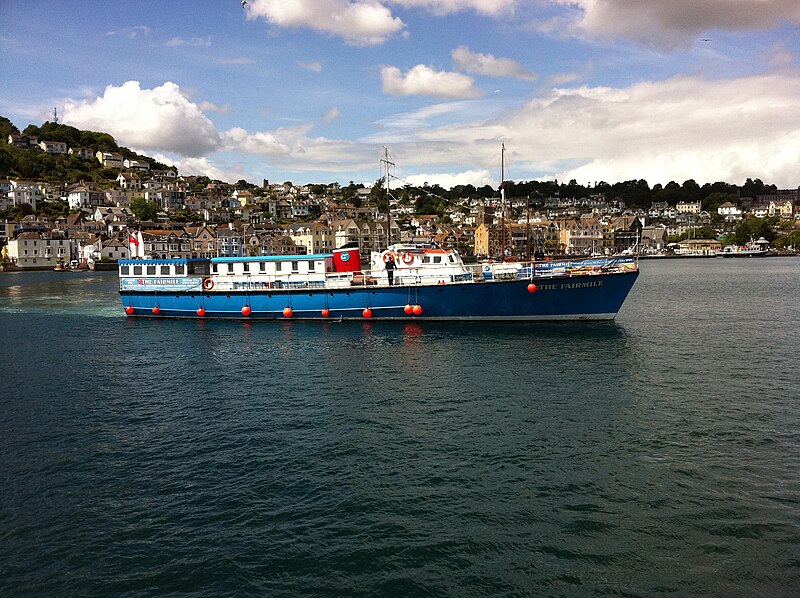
{"x":109,"y":159}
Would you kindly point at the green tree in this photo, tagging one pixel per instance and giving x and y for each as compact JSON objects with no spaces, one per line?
{"x":144,"y":209}
{"x":7,"y":128}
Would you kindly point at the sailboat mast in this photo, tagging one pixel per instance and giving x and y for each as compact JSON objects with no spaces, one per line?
{"x":503,"y":200}
{"x":386,"y":163}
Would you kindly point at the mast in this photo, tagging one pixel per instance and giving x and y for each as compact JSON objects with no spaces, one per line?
{"x":528,"y":228}
{"x":386,"y":163}
{"x":503,"y":200}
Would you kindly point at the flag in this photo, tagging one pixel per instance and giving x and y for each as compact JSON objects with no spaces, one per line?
{"x":132,"y":239}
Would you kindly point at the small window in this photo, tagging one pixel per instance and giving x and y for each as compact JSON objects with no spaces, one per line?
{"x":295,"y":266}
{"x":437,"y":259}
{"x":151,"y":270}
{"x":164,"y":270}
{"x":310,"y":266}
{"x":137,"y":270}
{"x":214,"y":268}
{"x":262,"y":266}
{"x":179,"y":269}
{"x":124,"y":270}
{"x":246,"y":267}
{"x":278,"y":266}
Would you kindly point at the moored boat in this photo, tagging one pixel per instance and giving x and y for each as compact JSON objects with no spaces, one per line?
{"x":428,"y":283}
{"x":758,"y":248}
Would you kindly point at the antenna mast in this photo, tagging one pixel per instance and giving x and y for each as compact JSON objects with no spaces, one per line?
{"x":55,"y":115}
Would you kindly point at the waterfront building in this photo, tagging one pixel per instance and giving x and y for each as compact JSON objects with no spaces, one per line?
{"x":229,"y":243}
{"x":41,"y":250}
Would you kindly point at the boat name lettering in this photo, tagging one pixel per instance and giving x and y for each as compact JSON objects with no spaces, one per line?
{"x":160,"y":281}
{"x":581,"y":285}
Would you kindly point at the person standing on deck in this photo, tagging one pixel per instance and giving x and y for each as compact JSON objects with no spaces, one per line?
{"x":390,"y":269}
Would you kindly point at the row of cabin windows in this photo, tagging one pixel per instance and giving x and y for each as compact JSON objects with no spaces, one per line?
{"x":294,"y":267}
{"x":437,"y":259}
{"x":151,"y":270}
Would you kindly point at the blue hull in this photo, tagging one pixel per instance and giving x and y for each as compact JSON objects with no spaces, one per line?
{"x":587,"y":297}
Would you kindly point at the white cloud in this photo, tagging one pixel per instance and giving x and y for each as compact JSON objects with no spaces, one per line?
{"x":315,"y":66}
{"x":195,"y":42}
{"x":238,"y":61}
{"x":478,"y":178}
{"x":161,"y":118}
{"x":681,"y":128}
{"x":200,"y":166}
{"x":443,"y":7}
{"x":486,"y":64}
{"x":130,"y":32}
{"x":359,"y":22}
{"x":211,"y":107}
{"x":331,"y":115}
{"x":423,"y":80}
{"x":677,"y":23}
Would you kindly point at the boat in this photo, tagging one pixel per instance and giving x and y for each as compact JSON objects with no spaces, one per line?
{"x":758,"y":248}
{"x":429,"y":283}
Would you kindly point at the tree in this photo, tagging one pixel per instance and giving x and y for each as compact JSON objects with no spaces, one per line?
{"x":7,"y":128}
{"x":144,"y":209}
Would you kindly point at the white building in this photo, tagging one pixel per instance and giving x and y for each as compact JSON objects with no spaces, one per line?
{"x":53,"y":147}
{"x":22,"y":192}
{"x":40,"y":250}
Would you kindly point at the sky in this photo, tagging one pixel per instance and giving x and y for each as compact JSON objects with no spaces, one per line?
{"x":312,"y":91}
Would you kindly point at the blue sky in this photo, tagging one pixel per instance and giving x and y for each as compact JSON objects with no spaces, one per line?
{"x":312,"y":90}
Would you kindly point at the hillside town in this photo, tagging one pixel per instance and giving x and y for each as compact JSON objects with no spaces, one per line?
{"x":193,"y":216}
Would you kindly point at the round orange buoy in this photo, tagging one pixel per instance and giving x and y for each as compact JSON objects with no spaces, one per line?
{"x":156,"y":311}
{"x":532,"y":288}
{"x":367,"y":313}
{"x":201,"y":311}
{"x":246,"y":310}
{"x":408,"y":309}
{"x":326,"y":312}
{"x":129,"y":310}
{"x":417,"y":309}
{"x":287,"y":312}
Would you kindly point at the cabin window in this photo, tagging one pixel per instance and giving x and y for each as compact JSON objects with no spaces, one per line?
{"x":179,"y":269}
{"x":426,"y":259}
{"x":214,"y":268}
{"x":310,"y":266}
{"x":246,"y":267}
{"x":124,"y":270}
{"x":295,"y":266}
{"x":151,"y":270}
{"x":262,"y":266}
{"x":137,"y":270}
{"x":451,"y":259}
{"x":278,"y":266}
{"x":164,"y":270}
{"x":437,"y":259}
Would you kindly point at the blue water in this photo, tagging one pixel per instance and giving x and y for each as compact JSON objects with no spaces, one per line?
{"x":658,"y":454}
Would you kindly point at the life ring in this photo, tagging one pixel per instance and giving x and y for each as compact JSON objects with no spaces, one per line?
{"x":208,"y":284}
{"x":388,"y":256}
{"x":407,"y":258}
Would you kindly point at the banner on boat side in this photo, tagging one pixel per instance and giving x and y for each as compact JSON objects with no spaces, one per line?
{"x":160,"y":284}
{"x":585,"y":266}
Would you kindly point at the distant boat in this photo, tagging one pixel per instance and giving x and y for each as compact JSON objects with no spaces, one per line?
{"x":758,"y":248}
